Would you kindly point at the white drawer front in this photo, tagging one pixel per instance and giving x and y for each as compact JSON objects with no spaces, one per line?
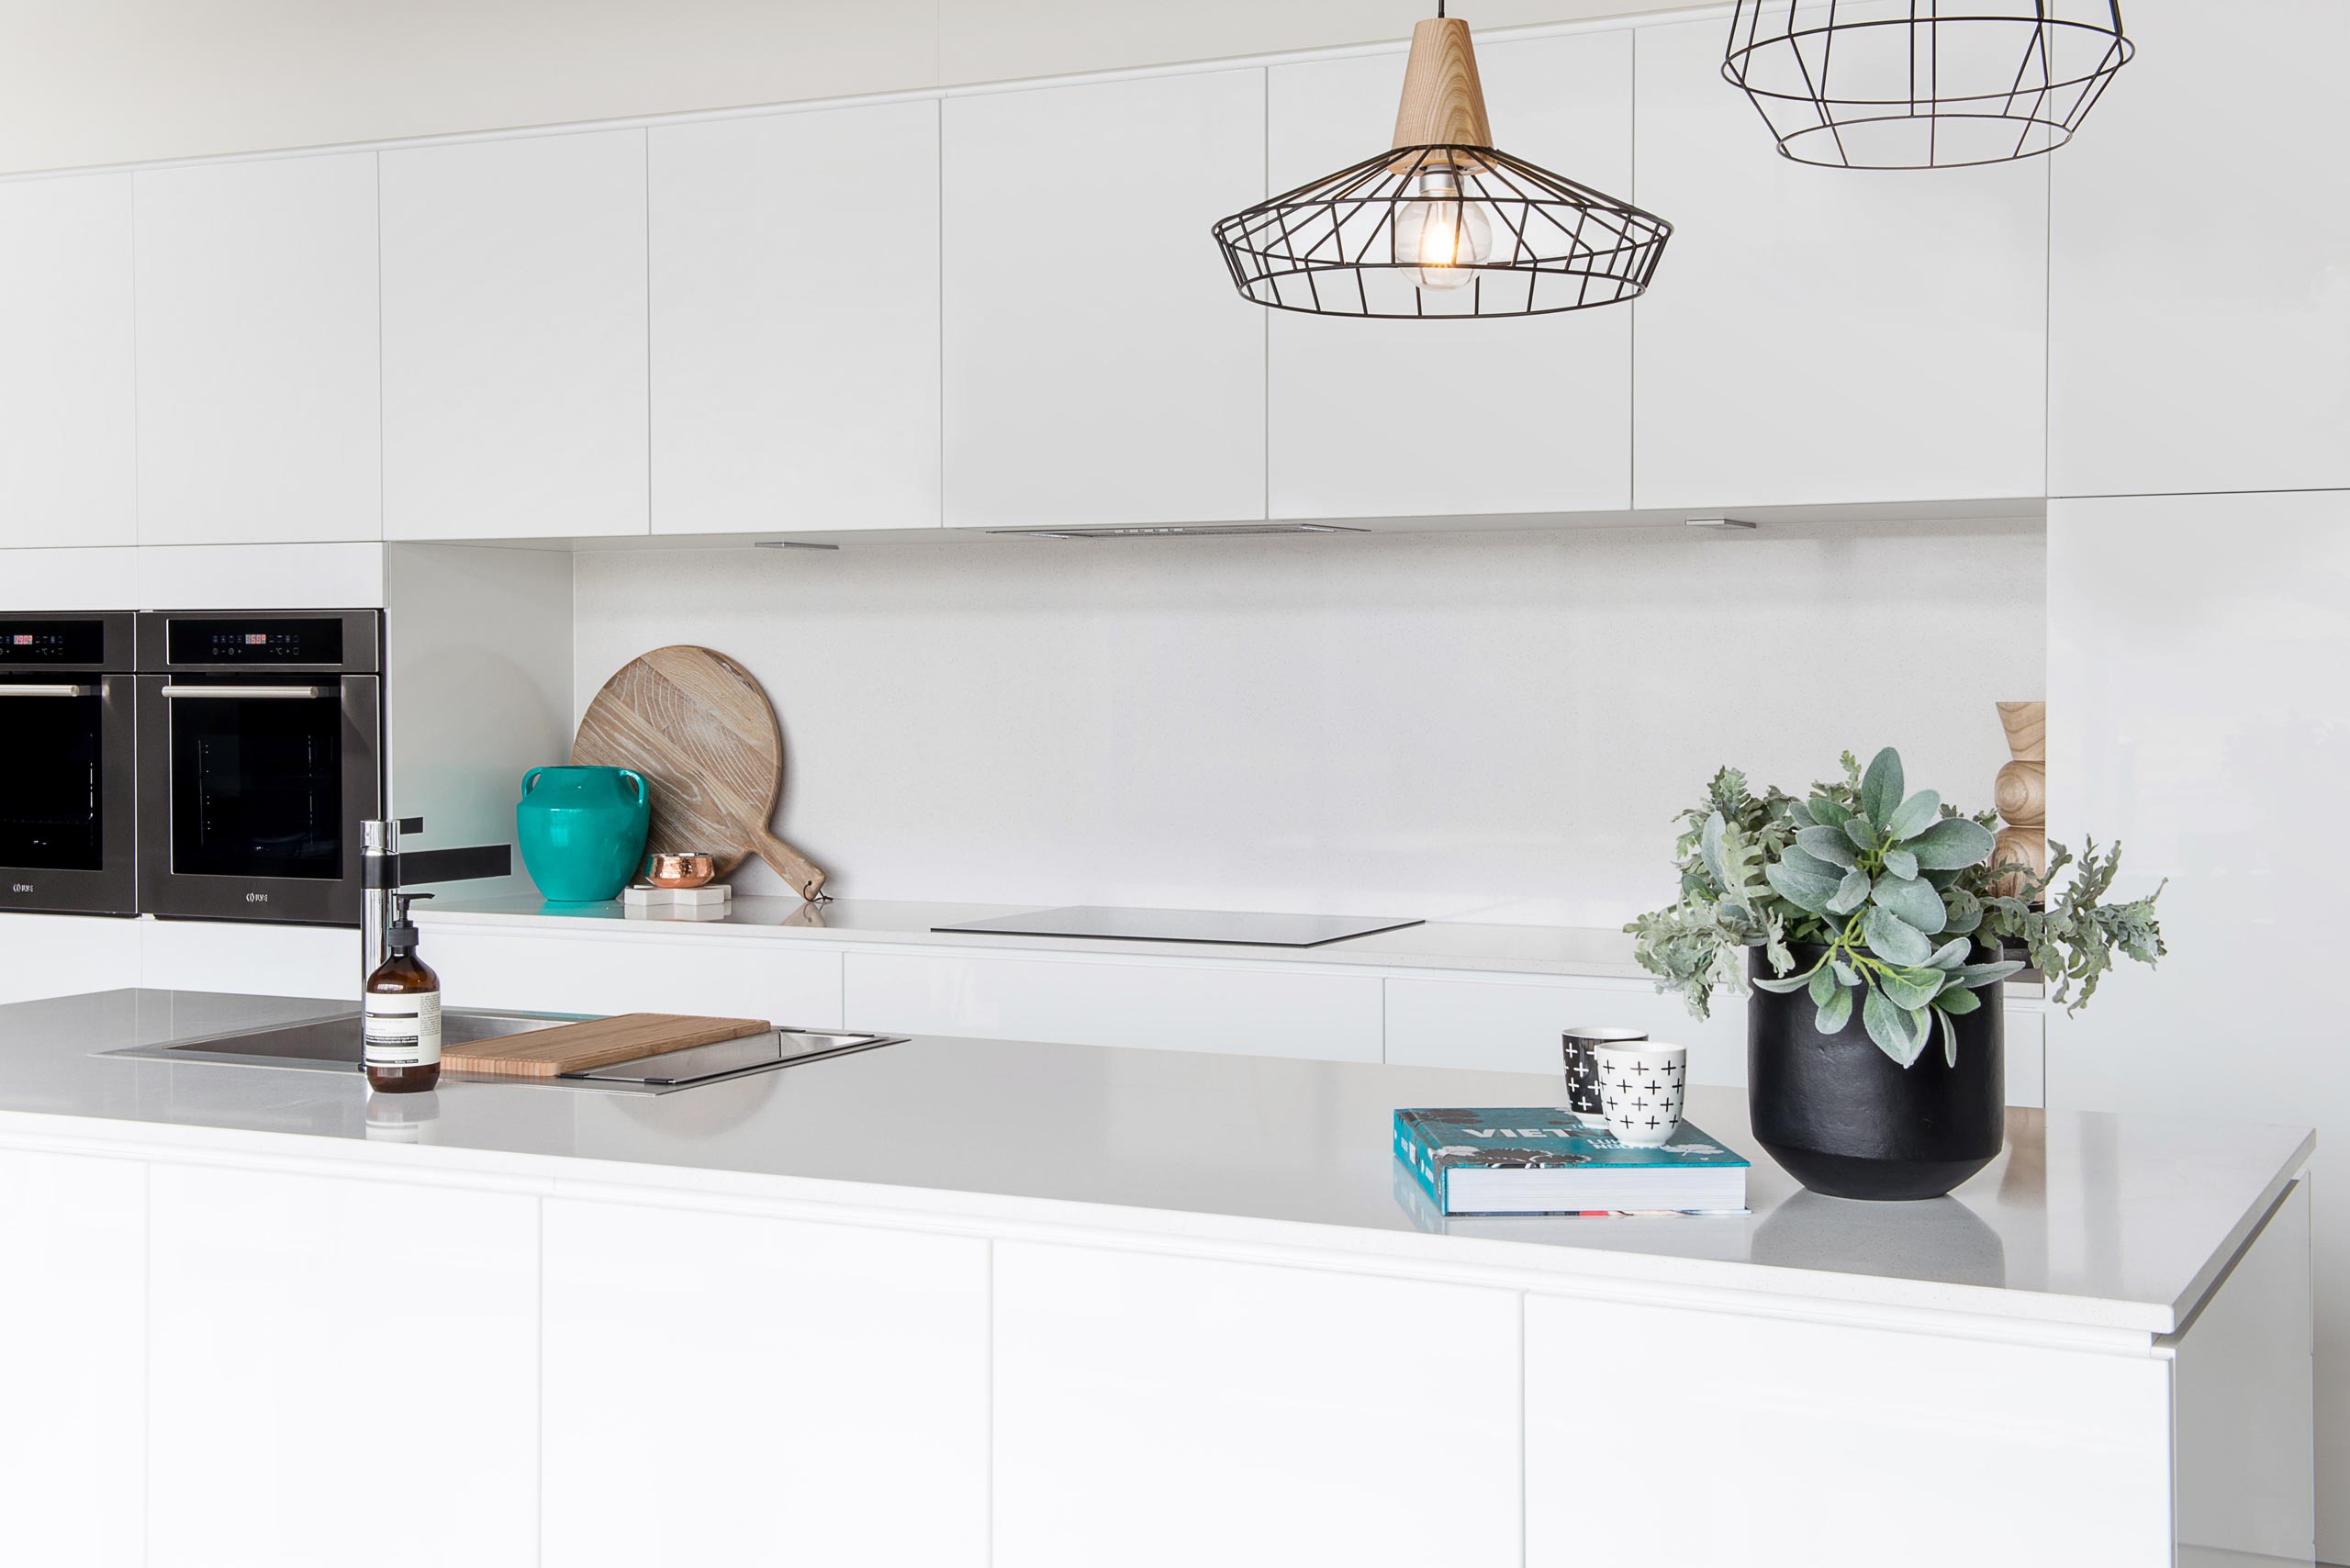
{"x":64,"y":955}
{"x":1514,"y":1027}
{"x":1508,"y":1028}
{"x":631,"y":973}
{"x":1246,"y":1011}
{"x":267,"y":960}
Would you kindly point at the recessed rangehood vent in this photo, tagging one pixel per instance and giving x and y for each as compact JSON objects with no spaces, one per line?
{"x":1177,"y":529}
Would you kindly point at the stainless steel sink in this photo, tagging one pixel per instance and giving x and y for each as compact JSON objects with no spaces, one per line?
{"x":332,"y":1043}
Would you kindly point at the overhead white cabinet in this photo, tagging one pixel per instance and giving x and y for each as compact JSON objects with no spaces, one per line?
{"x":795,"y":321}
{"x":1826,"y":335}
{"x":515,"y":369}
{"x":68,"y":397}
{"x":1286,"y":1403}
{"x":2199,"y":317}
{"x":73,"y":1389}
{"x":812,"y":1379}
{"x":259,"y":384}
{"x":1099,"y":367}
{"x":340,"y":1372}
{"x":1401,"y":419}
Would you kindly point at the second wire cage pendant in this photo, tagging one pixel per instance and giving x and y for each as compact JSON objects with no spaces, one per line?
{"x":1442,"y":224}
{"x":1925,"y":84}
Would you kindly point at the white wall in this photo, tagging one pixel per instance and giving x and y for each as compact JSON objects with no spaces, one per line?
{"x":1493,"y":727}
{"x":120,"y":81}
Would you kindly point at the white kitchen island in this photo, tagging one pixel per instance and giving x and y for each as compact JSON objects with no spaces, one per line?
{"x":975,"y":1302}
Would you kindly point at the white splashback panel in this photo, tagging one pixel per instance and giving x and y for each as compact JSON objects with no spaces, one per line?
{"x":1493,"y":727}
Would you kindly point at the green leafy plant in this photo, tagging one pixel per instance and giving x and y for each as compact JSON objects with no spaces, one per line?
{"x":1895,"y":891}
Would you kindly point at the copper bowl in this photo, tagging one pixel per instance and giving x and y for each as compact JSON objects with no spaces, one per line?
{"x":687,"y":868}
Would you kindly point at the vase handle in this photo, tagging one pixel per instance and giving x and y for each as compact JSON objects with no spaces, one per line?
{"x":643,"y":791}
{"x":530,"y":779}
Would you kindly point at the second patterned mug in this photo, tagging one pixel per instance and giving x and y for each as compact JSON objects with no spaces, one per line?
{"x":1641,"y":1090}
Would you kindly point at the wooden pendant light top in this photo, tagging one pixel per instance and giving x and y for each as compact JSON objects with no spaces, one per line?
{"x":1444,"y":104}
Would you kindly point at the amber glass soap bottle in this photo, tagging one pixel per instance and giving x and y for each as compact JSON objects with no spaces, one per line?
{"x":402,"y":1026}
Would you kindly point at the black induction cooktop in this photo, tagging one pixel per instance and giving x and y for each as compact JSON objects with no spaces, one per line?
{"x":1243,"y":927}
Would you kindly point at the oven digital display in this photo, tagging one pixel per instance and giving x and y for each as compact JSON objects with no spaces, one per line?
{"x":51,"y":643}
{"x":287,"y":640}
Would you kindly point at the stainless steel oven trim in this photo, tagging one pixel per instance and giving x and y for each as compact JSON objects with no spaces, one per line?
{"x":286,"y":900}
{"x":113,"y":887}
{"x":363,"y":632}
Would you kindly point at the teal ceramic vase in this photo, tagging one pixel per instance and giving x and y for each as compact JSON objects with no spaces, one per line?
{"x":582,"y":829}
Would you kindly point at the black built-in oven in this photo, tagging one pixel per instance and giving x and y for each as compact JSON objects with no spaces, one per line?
{"x":67,"y":840}
{"x":259,"y":754}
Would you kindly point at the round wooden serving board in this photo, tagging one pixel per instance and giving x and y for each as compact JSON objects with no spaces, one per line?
{"x":697,"y":726}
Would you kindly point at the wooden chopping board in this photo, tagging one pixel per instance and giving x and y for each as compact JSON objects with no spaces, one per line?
{"x":599,"y":1042}
{"x":696,"y":725}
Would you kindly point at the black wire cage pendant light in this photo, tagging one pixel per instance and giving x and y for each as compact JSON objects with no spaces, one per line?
{"x":1925,"y":84}
{"x":1442,"y":224}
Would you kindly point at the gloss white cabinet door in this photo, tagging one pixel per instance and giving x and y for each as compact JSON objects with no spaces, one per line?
{"x":2066,"y":1452}
{"x":72,"y":1387}
{"x":1302,"y":1416}
{"x":68,"y":385}
{"x":1546,"y":403}
{"x":2199,"y":315}
{"x":515,"y":369}
{"x":1826,"y":335}
{"x":259,"y":380}
{"x":2197,"y":716}
{"x":795,"y":321}
{"x":1099,"y":367}
{"x":821,"y":1397}
{"x":633,"y":972}
{"x":340,"y":1372}
{"x":1267,"y":1011}
{"x":2242,"y":1404}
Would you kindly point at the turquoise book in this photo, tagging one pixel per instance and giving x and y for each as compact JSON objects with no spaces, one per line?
{"x":1547,"y":1160}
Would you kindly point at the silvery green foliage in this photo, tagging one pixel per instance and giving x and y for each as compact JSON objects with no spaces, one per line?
{"x":1897,"y":891}
{"x":2071,"y":936}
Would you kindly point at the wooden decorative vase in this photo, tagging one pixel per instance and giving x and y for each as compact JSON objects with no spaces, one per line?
{"x":2021,"y":793}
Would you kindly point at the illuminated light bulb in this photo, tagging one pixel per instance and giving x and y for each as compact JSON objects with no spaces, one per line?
{"x":1444,"y":236}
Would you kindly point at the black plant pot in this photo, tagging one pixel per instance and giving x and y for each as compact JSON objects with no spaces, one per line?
{"x":1840,"y":1117}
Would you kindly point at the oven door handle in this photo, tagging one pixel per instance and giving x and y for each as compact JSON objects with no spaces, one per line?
{"x":6,"y":690}
{"x":250,"y":693}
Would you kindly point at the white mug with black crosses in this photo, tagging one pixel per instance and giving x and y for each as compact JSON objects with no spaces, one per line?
{"x":1641,"y":1090}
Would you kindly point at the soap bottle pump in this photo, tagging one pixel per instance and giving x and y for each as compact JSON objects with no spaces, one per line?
{"x":402,"y":1048}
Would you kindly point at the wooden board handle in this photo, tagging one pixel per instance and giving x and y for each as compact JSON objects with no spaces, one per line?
{"x":794,"y":868}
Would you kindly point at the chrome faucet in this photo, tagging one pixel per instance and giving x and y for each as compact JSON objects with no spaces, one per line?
{"x":385,"y":870}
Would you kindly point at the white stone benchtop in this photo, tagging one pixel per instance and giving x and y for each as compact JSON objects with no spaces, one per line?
{"x":2097,"y":1222}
